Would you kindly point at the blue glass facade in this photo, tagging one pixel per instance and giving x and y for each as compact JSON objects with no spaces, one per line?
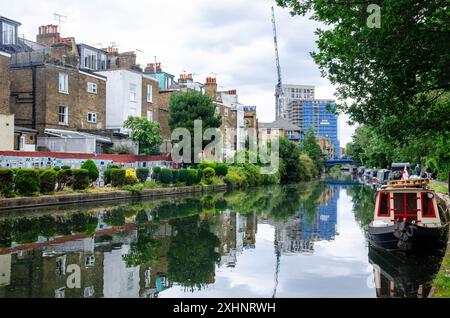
{"x":315,"y":114}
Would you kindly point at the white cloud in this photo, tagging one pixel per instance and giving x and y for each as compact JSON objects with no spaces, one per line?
{"x":232,"y":38}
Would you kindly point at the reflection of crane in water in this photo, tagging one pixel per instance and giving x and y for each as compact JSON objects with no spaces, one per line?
{"x":277,"y":269}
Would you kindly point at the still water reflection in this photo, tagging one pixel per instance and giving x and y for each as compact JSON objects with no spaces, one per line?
{"x":306,"y":240}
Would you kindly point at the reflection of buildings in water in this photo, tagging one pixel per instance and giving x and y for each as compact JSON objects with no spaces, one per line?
{"x":298,"y":235}
{"x":250,"y":231}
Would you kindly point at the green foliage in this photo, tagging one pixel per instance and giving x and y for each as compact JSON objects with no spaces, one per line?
{"x":147,"y":133}
{"x":63,"y":178}
{"x":185,"y":108}
{"x":166,"y":176}
{"x":221,"y":169}
{"x":80,"y":179}
{"x":156,"y":172}
{"x":142,"y":174}
{"x":208,"y":174}
{"x":307,"y":168}
{"x":150,"y":185}
{"x":91,"y":167}
{"x":145,"y":250}
{"x":396,"y":75}
{"x":27,"y":182}
{"x":311,"y":147}
{"x":118,"y":177}
{"x":135,"y":188}
{"x":48,"y":181}
{"x":6,"y":182}
{"x":233,"y":179}
{"x":176,"y":175}
{"x":192,"y":255}
{"x":204,"y":165}
{"x":66,"y":167}
{"x":57,"y":168}
{"x":183,"y":175}
{"x":289,"y":155}
{"x":192,"y":177}
{"x":199,"y":176}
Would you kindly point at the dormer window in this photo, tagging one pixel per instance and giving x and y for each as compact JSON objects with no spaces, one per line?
{"x":9,"y":34}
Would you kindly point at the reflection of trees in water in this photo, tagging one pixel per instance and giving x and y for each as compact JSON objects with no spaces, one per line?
{"x":363,"y":204}
{"x":145,"y":250}
{"x":192,"y":254}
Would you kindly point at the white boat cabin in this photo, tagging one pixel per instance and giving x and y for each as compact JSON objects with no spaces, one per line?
{"x":400,"y":201}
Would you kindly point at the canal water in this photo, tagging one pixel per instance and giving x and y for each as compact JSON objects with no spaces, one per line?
{"x":306,"y":240}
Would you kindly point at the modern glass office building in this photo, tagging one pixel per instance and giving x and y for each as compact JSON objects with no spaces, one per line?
{"x":304,"y":111}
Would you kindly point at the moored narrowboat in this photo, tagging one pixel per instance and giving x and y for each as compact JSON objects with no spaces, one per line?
{"x":406,"y":217}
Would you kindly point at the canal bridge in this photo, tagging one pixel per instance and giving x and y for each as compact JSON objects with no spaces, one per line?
{"x":339,"y":162}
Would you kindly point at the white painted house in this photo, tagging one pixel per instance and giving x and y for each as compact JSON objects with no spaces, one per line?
{"x":123,"y":97}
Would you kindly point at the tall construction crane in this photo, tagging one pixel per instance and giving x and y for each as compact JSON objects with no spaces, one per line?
{"x":279,"y":95}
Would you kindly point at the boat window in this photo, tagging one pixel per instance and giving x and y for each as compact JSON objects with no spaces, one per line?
{"x":383,"y":207}
{"x":405,"y":204}
{"x":398,"y":204}
{"x":427,"y":206}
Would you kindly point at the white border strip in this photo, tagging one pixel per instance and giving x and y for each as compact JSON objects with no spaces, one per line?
{"x":5,"y":54}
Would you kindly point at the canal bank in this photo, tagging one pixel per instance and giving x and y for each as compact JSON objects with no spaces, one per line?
{"x":53,"y":200}
{"x":441,"y":284}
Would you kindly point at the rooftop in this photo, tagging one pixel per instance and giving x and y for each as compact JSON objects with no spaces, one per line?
{"x":280,"y":124}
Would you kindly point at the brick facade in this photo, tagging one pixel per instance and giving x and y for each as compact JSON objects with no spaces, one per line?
{"x":4,"y":83}
{"x":48,"y":98}
{"x":161,"y":111}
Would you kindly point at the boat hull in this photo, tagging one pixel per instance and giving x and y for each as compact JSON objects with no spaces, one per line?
{"x":390,"y":238}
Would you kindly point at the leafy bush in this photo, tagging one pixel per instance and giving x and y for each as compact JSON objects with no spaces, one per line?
{"x":91,"y":167}
{"x":118,"y":177}
{"x":199,"y":176}
{"x":150,"y":185}
{"x":48,"y":181}
{"x":205,"y":165}
{"x":183,"y":175}
{"x":63,"y":177}
{"x":192,"y":177}
{"x":6,"y":182}
{"x":233,"y":179}
{"x":208,"y":174}
{"x":57,"y":168}
{"x":136,"y":188}
{"x":166,"y":176}
{"x":27,"y":182}
{"x":130,"y":177}
{"x":80,"y":179}
{"x":221,"y":170}
{"x":156,"y":172}
{"x":142,"y":174}
{"x":66,"y":167}
{"x":176,"y":176}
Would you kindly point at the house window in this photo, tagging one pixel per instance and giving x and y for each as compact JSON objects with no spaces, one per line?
{"x":150,"y":115}
{"x":269,"y":131}
{"x":92,"y":88}
{"x":9,"y":34}
{"x":150,"y":93}
{"x":90,"y":59}
{"x":133,"y":94}
{"x":63,"y":115}
{"x":89,"y":292}
{"x":63,"y":83}
{"x":225,"y":112}
{"x":217,"y":112}
{"x":92,"y":118}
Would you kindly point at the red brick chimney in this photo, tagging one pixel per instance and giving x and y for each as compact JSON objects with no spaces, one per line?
{"x":211,"y":88}
{"x":48,"y":34}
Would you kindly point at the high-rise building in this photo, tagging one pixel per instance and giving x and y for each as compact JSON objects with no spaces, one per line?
{"x":303,"y":110}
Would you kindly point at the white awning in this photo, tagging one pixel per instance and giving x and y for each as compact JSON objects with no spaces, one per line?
{"x":76,"y":135}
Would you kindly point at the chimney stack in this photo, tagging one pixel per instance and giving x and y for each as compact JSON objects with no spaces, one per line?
{"x":211,"y":88}
{"x":48,"y":34}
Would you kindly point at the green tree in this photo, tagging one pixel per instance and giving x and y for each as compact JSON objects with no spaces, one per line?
{"x":397,"y":75}
{"x":290,"y":156}
{"x":92,"y":168}
{"x":185,"y":108}
{"x":311,"y":147}
{"x":147,"y":133}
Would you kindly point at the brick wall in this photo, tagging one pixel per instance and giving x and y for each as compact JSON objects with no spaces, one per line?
{"x":161,"y":111}
{"x":4,"y":84}
{"x":48,"y":99}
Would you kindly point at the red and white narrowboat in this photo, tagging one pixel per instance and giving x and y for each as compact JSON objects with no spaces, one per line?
{"x":406,"y":216}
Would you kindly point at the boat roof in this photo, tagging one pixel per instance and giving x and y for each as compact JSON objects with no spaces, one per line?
{"x":412,"y":185}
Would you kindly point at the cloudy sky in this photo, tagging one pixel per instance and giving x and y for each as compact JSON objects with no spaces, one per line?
{"x":231,"y":38}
